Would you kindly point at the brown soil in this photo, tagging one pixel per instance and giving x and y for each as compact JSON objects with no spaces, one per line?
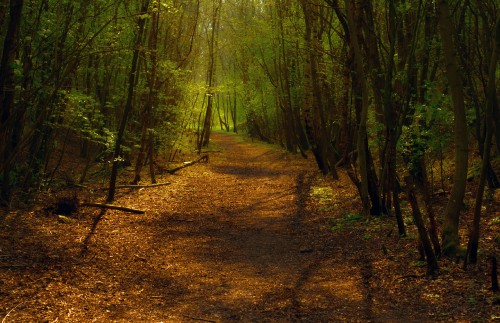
{"x":254,"y":235}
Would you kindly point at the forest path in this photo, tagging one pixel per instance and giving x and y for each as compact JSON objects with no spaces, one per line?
{"x":229,"y":240}
{"x":233,"y":242}
{"x":247,"y":251}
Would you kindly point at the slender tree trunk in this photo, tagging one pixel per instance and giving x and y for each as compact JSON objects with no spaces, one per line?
{"x":234,"y":113}
{"x":128,"y":105}
{"x":491,"y":105}
{"x":7,"y":92}
{"x":284,"y":89}
{"x":152,"y":96}
{"x":432,"y":265}
{"x":310,"y":97}
{"x":358,"y":65}
{"x":212,"y":43}
{"x":151,"y":155}
{"x":388,"y":173}
{"x":450,"y":238}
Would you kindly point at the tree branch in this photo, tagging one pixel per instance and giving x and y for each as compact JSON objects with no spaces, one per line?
{"x":173,"y":170}
{"x":113,"y":207}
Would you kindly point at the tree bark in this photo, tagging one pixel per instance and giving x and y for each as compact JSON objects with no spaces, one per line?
{"x":491,"y":105}
{"x":432,"y":265}
{"x":360,"y":75}
{"x":212,"y":43}
{"x":314,"y":114}
{"x":128,"y":105}
{"x":151,"y":100}
{"x":7,"y":92}
{"x":450,"y":238}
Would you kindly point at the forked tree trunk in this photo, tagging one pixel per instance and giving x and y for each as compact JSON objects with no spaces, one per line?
{"x":432,"y":265}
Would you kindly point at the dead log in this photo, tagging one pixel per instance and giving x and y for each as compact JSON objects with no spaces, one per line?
{"x":187,"y":164}
{"x":113,"y":207}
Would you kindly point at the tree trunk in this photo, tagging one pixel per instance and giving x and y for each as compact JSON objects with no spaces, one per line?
{"x":432,"y":265}
{"x":234,"y":112}
{"x":491,"y":105}
{"x":151,"y":156}
{"x":360,"y":75}
{"x":308,"y":94}
{"x":152,"y":96}
{"x":314,"y":114}
{"x":450,"y":238}
{"x":128,"y":105}
{"x":7,"y":92}
{"x":212,"y":43}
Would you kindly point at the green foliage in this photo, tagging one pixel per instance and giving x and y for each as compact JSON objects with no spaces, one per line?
{"x":82,"y":115}
{"x":374,"y":130}
{"x":353,"y":217}
{"x":430,"y":131}
{"x":419,"y":263}
{"x":347,"y":222}
{"x":324,"y":194}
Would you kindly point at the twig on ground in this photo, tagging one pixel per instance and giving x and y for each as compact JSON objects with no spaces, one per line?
{"x":12,"y":309}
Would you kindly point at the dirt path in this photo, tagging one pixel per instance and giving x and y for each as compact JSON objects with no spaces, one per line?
{"x":233,"y":244}
{"x":230,"y":240}
{"x":247,"y":253}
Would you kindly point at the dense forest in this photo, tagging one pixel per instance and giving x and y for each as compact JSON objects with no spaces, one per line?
{"x":400,"y":94}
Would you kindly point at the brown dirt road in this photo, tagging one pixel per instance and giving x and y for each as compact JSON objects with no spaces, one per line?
{"x":231,"y":240}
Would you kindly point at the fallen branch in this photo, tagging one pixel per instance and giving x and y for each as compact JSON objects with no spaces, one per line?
{"x":142,"y":186}
{"x":173,"y":170}
{"x":211,"y":151}
{"x":135,"y":186}
{"x":113,"y":207}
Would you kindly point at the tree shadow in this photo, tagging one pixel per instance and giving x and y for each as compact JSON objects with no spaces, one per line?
{"x":92,"y":231}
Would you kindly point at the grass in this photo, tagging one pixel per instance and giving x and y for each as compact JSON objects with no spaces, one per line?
{"x":348,"y":221}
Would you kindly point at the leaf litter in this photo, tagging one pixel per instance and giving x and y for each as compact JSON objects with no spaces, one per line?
{"x":255,"y":235}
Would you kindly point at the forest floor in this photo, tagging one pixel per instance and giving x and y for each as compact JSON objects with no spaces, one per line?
{"x":253,"y":235}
